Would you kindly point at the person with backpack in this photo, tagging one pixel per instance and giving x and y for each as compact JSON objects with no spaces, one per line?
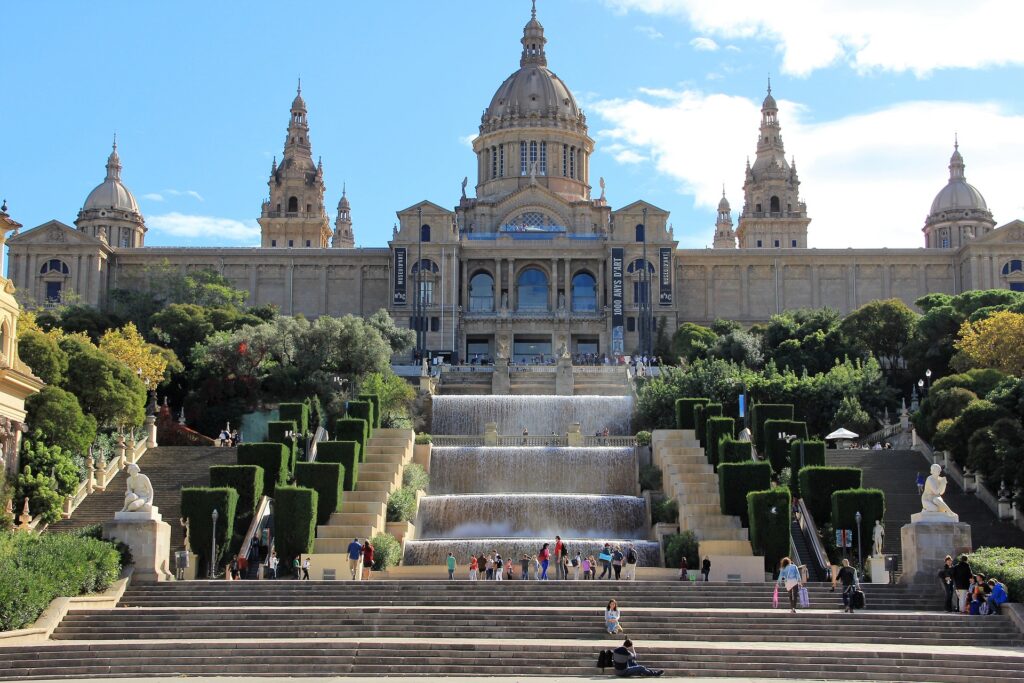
{"x":544,"y":557}
{"x":631,"y":563}
{"x":847,"y":576}
{"x":624,"y":661}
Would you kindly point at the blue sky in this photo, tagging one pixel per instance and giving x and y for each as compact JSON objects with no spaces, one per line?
{"x":198,"y":94}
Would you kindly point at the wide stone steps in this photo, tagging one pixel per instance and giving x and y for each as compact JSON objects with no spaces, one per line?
{"x":439,"y":658}
{"x":709,"y":626}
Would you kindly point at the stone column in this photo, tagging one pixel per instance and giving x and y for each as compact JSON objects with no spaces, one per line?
{"x":512,"y":284}
{"x":465,"y":287}
{"x":289,"y":288}
{"x":151,"y":431}
{"x":553,"y":287}
{"x":497,"y":284}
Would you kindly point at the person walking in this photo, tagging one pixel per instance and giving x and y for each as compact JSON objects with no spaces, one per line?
{"x":611,"y":618}
{"x":451,"y":567}
{"x":606,"y":561}
{"x":946,"y":579}
{"x":617,"y":559}
{"x":367,"y":559}
{"x":296,"y":568}
{"x":625,"y":664}
{"x":789,"y":578}
{"x":543,"y":556}
{"x":473,"y":567}
{"x":847,"y":576}
{"x":961,"y":574}
{"x":920,"y":483}
{"x":272,"y":565}
{"x":481,"y":566}
{"x":705,"y":568}
{"x":355,"y":556}
{"x":305,"y":569}
{"x":631,"y":562}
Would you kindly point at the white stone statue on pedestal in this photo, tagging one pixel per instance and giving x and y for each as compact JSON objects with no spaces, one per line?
{"x":878,"y":534}
{"x":139,"y":497}
{"x":933,"y":508}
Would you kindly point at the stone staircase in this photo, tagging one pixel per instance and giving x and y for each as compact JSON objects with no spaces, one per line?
{"x":597,"y":380}
{"x":462,"y":383}
{"x":435,"y":628}
{"x":532,"y":381}
{"x":169,"y":468}
{"x":364,"y":510}
{"x":691,"y":480}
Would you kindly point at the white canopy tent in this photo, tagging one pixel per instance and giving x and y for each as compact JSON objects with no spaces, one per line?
{"x":841,"y":434}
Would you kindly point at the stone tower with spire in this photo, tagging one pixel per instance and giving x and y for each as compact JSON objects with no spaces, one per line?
{"x":773,"y":214}
{"x":343,"y":236}
{"x":294,"y":215}
{"x":725,"y":238}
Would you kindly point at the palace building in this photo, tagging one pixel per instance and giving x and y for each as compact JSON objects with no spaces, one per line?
{"x":532,"y":263}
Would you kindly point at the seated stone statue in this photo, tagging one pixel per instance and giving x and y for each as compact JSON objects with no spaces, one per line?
{"x":139,"y":497}
{"x":934,"y":487}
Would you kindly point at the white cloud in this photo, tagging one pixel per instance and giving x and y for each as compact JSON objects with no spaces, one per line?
{"x":185,"y":193}
{"x":703,"y":44}
{"x":467,"y":140}
{"x":153,"y":196}
{"x":650,"y":32}
{"x":910,"y":35}
{"x":205,"y":227}
{"x":868,"y":179}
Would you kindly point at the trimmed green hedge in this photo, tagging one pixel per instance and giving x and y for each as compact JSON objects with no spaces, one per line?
{"x":715,"y":430}
{"x":776,"y":450}
{"x":1002,"y":564}
{"x":352,"y":429}
{"x":197,"y":506}
{"x":361,"y":410}
{"x":769,"y":532}
{"x":761,"y":412}
{"x":736,"y":480}
{"x":818,"y":483}
{"x":375,"y":400}
{"x":346,"y":454}
{"x":274,"y":458}
{"x":37,"y":568}
{"x":295,"y":412}
{"x":247,"y":480}
{"x":845,"y":505}
{"x":276,"y":433}
{"x":732,"y":450}
{"x":294,"y":522}
{"x":814,"y":455}
{"x":328,"y":480}
{"x":701,"y":413}
{"x":684,"y":411}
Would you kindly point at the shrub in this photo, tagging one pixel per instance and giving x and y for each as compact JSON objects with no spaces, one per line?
{"x":387,"y":552}
{"x":818,"y":483}
{"x":43,"y":498}
{"x":197,"y":506}
{"x":731,"y":450}
{"x":736,"y":480}
{"x":769,"y":531}
{"x":701,"y":413}
{"x":37,"y":568}
{"x":665,"y":510}
{"x":328,"y":480}
{"x":297,"y":413}
{"x":845,"y":505}
{"x":59,"y":418}
{"x":1004,"y":564}
{"x":643,"y":438}
{"x":684,"y":411}
{"x":422,"y":439}
{"x":955,"y":437}
{"x":402,"y":505}
{"x":349,"y":429}
{"x":996,"y":451}
{"x":814,"y":455}
{"x":346,"y":454}
{"x":761,"y":412}
{"x":272,"y":457}
{"x":375,"y":400}
{"x":294,"y":522}
{"x":650,"y":478}
{"x":247,"y":480}
{"x":776,"y":449}
{"x":276,"y":431}
{"x":361,"y":410}
{"x":415,"y":477}
{"x":679,"y":545}
{"x":716,"y":429}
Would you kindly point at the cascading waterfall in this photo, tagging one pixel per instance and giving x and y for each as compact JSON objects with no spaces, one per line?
{"x":541,"y":415}
{"x":459,"y":469}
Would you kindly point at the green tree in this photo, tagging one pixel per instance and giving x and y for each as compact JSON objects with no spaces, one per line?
{"x":805,"y":339}
{"x":882,"y":327}
{"x":943,"y":403}
{"x":52,"y":461}
{"x":399,"y":339}
{"x":105,"y":388}
{"x":851,"y":416}
{"x":56,"y":415}
{"x":41,"y":352}
{"x":692,"y":341}
{"x":739,"y":347}
{"x":954,"y":435}
{"x":396,"y":395}
{"x":997,"y":452}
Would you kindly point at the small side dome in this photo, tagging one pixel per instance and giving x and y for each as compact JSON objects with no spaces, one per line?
{"x":723,"y":205}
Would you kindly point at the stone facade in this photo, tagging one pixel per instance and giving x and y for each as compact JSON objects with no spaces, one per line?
{"x":533,"y":261}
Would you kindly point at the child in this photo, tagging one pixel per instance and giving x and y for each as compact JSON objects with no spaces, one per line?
{"x":586,"y":568}
{"x":536,"y":568}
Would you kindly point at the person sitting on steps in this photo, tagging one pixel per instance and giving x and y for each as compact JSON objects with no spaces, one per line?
{"x":624,"y":661}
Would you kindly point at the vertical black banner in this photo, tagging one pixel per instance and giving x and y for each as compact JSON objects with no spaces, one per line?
{"x":618,"y":339}
{"x":399,"y":297}
{"x":665,"y":266}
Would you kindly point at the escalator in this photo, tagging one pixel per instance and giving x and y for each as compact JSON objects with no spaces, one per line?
{"x":803,"y":549}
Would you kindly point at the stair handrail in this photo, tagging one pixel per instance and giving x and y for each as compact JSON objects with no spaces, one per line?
{"x":320,"y":435}
{"x":263,"y":510}
{"x":810,"y":530}
{"x":98,"y":480}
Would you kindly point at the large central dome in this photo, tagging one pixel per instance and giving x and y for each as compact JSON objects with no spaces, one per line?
{"x":533,"y":96}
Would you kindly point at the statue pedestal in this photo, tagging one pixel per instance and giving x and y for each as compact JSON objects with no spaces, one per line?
{"x":149,"y":539}
{"x":564,"y":382}
{"x":876,"y":566}
{"x":500,"y":382}
{"x":926,"y":544}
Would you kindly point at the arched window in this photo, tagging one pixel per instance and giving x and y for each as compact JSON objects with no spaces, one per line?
{"x":424,"y":233}
{"x":532,"y":290}
{"x":55,"y":266}
{"x":637,"y":266}
{"x":481,"y":293}
{"x":426,"y":265}
{"x":775,"y":206}
{"x":640,"y":233}
{"x":1014,"y":266}
{"x":293,"y":205}
{"x":584,"y":293}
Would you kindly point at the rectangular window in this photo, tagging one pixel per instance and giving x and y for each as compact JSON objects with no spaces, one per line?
{"x":759,"y":243}
{"x":565,"y":160}
{"x":793,"y":243}
{"x":308,"y":243}
{"x":776,"y":243}
{"x":291,"y":243}
{"x":543,"y":158}
{"x":273,"y":243}
{"x":523,"y":163}
{"x":630,"y":324}
{"x":426,"y":293}
{"x":945,"y":243}
{"x":435,"y":324}
{"x":533,"y":153}
{"x":572,"y":162}
{"x":494,"y":163}
{"x":640,"y":288}
{"x":501,"y":161}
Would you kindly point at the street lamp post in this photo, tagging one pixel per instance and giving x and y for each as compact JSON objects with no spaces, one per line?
{"x":213,"y":544}
{"x":860,"y":562}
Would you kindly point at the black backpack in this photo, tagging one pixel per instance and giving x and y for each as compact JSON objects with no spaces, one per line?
{"x":604,"y":659}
